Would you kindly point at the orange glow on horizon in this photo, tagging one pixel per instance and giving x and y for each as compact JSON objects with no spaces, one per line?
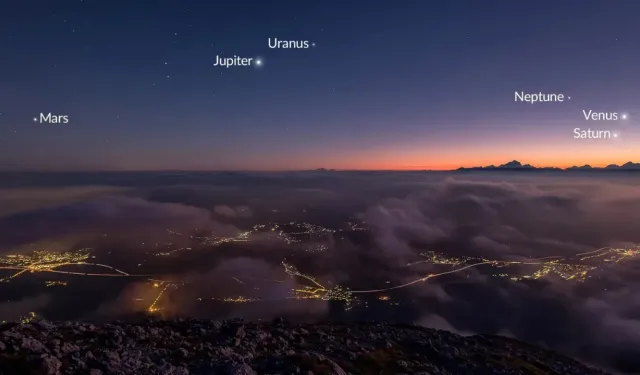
{"x":447,"y":158}
{"x":403,"y":157}
{"x":449,"y":166}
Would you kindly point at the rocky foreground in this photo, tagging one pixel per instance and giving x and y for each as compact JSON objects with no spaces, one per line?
{"x":235,"y":347}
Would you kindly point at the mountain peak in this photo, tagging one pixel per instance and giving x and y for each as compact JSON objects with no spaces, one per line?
{"x":511,"y":164}
{"x":516,"y":165}
{"x":630,"y":164}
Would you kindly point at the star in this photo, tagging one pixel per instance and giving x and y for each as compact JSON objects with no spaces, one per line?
{"x":313,"y":44}
{"x":258,"y":62}
{"x":624,"y":116}
{"x":615,"y":135}
{"x":35,"y":119}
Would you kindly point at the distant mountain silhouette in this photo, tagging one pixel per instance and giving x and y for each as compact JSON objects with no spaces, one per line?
{"x":325,"y":170}
{"x":515,"y":165}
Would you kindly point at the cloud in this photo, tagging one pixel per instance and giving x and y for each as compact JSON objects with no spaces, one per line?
{"x":252,"y":278}
{"x":517,"y":220}
{"x":16,"y":200}
{"x":98,"y":216}
{"x":233,"y":212}
{"x":496,"y":216}
{"x":266,"y":292}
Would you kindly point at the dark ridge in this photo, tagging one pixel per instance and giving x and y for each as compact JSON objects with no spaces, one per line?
{"x":517,"y":166}
{"x":189,"y":346}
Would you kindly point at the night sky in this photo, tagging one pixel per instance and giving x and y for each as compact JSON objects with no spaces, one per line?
{"x":404,"y":84}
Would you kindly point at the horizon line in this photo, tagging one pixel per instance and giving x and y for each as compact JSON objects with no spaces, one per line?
{"x":316,"y":169}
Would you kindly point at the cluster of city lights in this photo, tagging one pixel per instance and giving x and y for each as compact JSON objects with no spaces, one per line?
{"x":577,"y":268}
{"x":289,"y":233}
{"x":55,"y":283}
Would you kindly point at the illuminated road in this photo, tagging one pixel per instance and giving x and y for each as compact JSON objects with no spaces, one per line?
{"x":576,"y":268}
{"x":421,"y":279}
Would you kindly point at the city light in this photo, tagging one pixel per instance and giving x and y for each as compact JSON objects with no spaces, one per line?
{"x":578,"y":268}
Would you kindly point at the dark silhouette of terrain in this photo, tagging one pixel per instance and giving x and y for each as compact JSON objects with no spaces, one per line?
{"x":186,"y":346}
{"x":517,"y":166}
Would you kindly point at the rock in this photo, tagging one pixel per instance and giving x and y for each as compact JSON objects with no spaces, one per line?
{"x":240,"y":369}
{"x":50,"y":365}
{"x":240,"y":332}
{"x":178,"y":347}
{"x":68,"y":347}
{"x":389,"y":344}
{"x":31,"y":345}
{"x":45,"y":324}
{"x":336,"y":370}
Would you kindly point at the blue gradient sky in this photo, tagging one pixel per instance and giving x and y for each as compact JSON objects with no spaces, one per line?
{"x":390,"y":85}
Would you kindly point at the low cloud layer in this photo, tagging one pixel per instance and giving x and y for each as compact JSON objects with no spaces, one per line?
{"x":233,"y":212}
{"x":16,"y":200}
{"x":517,"y":220}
